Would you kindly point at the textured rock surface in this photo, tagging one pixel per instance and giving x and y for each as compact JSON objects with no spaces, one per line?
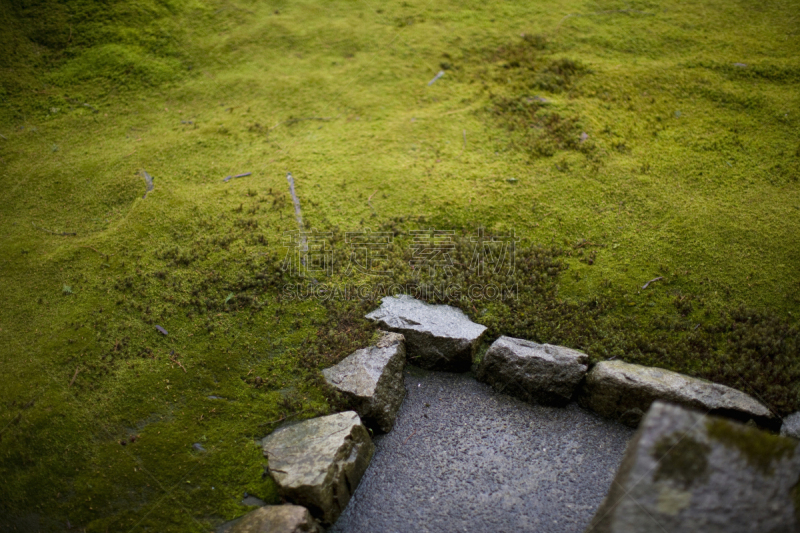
{"x":438,"y":337}
{"x":625,"y":391}
{"x":463,"y":457}
{"x":533,"y":372}
{"x":791,"y":426}
{"x":318,"y":463}
{"x":373,"y":379}
{"x":684,"y":471}
{"x":277,"y":519}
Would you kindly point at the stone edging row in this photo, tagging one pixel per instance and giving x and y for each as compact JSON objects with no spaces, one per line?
{"x":319,"y":463}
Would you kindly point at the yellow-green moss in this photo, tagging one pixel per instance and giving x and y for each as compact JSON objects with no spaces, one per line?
{"x":681,"y":458}
{"x":688,"y":172}
{"x":761,"y":450}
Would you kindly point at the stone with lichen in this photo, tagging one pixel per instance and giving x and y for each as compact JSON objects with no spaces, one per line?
{"x":686,"y":471}
{"x":624,"y":391}
{"x":277,"y":519}
{"x":318,"y":463}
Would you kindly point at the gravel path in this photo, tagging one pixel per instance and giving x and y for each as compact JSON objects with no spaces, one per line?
{"x":464,"y":458}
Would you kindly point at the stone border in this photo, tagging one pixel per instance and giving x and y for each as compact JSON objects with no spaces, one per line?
{"x":538,"y":373}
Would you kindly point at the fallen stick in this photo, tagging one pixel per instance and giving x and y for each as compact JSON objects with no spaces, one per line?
{"x":75,"y":375}
{"x":369,"y":200}
{"x":651,"y":281}
{"x":229,"y":178}
{"x":180,"y":365}
{"x":435,"y":78}
{"x":298,"y":215}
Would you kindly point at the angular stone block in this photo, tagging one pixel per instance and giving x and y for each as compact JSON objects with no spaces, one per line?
{"x":438,"y":337}
{"x":372,"y":378}
{"x":684,"y":471}
{"x":318,"y":463}
{"x":540,"y":373}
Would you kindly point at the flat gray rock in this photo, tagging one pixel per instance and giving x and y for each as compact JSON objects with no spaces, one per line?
{"x":438,"y":337}
{"x":277,"y":519}
{"x":318,"y":463}
{"x":372,"y":378}
{"x":791,"y":426}
{"x":685,"y":471}
{"x":540,"y":373}
{"x":625,"y":391}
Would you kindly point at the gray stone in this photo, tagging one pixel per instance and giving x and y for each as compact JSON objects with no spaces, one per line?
{"x":252,"y":501}
{"x":318,"y":463}
{"x":791,"y":426}
{"x":685,"y":471}
{"x":438,"y":337}
{"x":539,"y":373}
{"x":372,"y":378}
{"x":624,"y":391}
{"x":277,"y":519}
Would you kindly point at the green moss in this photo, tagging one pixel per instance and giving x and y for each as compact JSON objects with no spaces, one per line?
{"x":681,"y":458}
{"x":688,"y":172}
{"x":761,"y":450}
{"x":117,"y":63}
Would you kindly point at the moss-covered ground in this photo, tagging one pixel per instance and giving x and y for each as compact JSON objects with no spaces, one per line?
{"x":620,"y":141}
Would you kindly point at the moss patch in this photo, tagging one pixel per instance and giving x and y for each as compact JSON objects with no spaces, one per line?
{"x":681,"y":458}
{"x":761,"y":450}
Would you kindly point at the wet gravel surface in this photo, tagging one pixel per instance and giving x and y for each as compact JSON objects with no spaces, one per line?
{"x":462,"y":457}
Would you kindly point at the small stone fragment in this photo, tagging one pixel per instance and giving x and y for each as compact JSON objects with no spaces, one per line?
{"x":277,"y":519}
{"x":252,"y":501}
{"x":148,"y":179}
{"x":438,"y":337}
{"x":533,"y":372}
{"x":372,"y":378}
{"x":685,"y":471}
{"x":318,"y":463}
{"x":791,"y":426}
